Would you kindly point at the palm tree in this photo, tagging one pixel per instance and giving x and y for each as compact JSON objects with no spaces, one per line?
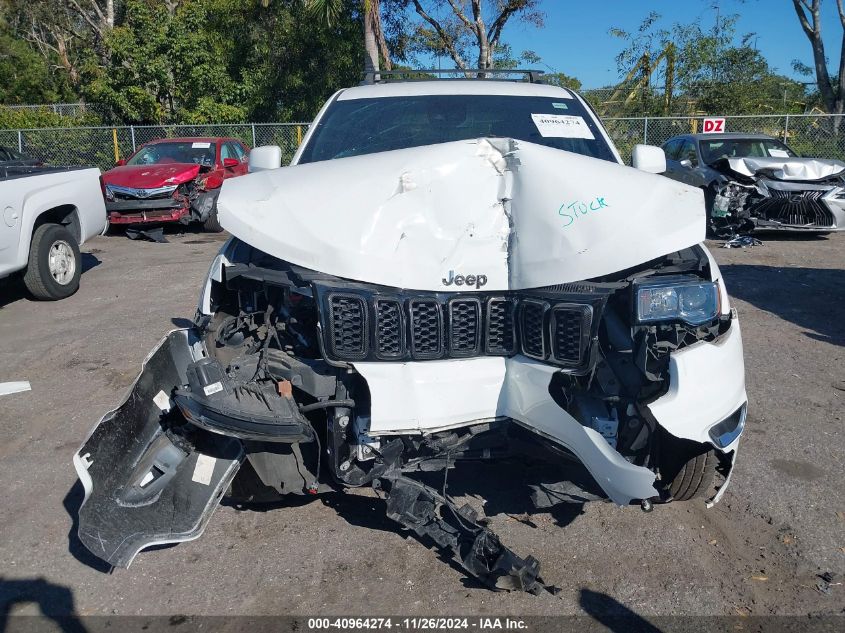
{"x":328,"y":12}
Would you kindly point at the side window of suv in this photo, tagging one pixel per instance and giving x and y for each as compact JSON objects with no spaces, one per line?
{"x":671,"y":149}
{"x":687,"y":152}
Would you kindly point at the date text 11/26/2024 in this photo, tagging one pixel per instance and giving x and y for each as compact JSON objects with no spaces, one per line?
{"x":417,"y":624}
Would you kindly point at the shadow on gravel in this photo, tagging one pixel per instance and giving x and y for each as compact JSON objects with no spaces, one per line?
{"x":181,"y":322}
{"x":11,"y":290}
{"x":72,"y":502}
{"x":613,"y":614}
{"x":359,"y":511}
{"x":54,"y":601}
{"x":503,"y":487}
{"x":812,"y":298}
{"x":506,"y":486}
{"x":89,"y":261}
{"x":198,"y":234}
{"x":370,"y":513}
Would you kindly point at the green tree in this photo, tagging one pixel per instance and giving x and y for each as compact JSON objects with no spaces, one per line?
{"x":291,"y":61}
{"x":165,"y":64}
{"x":562,"y":80}
{"x":25,"y":75}
{"x":699,"y":70}
{"x":462,"y":29}
{"x":328,"y":12}
{"x":831,"y":86}
{"x":69,"y":32}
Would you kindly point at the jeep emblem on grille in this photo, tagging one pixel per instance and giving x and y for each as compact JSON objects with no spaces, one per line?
{"x":465,"y":280}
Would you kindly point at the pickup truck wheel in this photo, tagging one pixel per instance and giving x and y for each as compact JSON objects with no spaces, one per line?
{"x":212,"y":224}
{"x":55,"y":264}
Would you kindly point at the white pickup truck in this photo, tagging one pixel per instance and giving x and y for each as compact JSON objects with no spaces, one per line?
{"x":47,"y":213}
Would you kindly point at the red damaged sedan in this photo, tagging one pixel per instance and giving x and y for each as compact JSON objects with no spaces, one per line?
{"x":173,"y":180}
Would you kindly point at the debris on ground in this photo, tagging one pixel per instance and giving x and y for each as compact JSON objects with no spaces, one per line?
{"x":742,"y":241}
{"x":826,"y":582}
{"x":154,"y":235}
{"x":7,"y":388}
{"x":548,"y":495}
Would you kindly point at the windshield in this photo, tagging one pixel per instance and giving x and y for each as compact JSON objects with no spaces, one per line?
{"x":366,"y":126}
{"x":196,"y":152}
{"x":711,"y":151}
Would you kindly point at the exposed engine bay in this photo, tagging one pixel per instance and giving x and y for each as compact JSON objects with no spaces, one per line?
{"x":794,"y":194}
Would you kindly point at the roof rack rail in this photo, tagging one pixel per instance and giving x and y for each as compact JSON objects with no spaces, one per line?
{"x":384,"y":76}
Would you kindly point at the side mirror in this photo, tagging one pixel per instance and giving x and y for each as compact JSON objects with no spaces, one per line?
{"x":120,"y":163}
{"x":265,"y":157}
{"x":231,"y":162}
{"x":649,"y":158}
{"x":686,"y":163}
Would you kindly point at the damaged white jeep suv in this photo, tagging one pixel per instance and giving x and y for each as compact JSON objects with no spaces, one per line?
{"x":449,"y":270}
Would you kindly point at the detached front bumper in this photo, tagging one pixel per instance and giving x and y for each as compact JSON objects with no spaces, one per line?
{"x":148,"y":478}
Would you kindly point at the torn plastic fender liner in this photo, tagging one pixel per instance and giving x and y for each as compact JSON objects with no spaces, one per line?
{"x":421,"y":397}
{"x":145,"y":484}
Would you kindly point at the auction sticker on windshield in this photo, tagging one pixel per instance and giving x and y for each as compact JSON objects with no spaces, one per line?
{"x":200,"y":145}
{"x":562,"y":126}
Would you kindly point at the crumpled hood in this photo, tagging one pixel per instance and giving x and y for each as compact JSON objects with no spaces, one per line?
{"x":520,"y":215}
{"x":150,"y":176}
{"x":787,"y":168}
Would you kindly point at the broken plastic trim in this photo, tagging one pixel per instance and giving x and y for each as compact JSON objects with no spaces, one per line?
{"x":478,"y":550}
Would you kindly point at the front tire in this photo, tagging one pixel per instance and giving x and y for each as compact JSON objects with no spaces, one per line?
{"x":212,"y":224}
{"x":696,"y":477}
{"x":55,"y":264}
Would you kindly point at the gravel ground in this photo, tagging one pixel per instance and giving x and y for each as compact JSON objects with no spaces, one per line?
{"x":759,"y":552}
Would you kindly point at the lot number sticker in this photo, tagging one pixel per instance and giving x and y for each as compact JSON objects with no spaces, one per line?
{"x":714,"y":126}
{"x":562,"y":126}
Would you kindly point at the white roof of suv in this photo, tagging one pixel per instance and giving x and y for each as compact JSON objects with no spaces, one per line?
{"x":453,"y":87}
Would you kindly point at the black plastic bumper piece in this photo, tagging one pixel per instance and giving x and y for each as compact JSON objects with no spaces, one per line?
{"x":457,"y":530}
{"x":149,"y":478}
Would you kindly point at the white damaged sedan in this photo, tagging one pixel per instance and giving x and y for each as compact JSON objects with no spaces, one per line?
{"x":449,"y":270}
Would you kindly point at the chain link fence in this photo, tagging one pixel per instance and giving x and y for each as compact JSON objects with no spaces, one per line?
{"x":103,"y":146}
{"x":818,"y":136}
{"x":60,"y":109}
{"x":814,"y":135}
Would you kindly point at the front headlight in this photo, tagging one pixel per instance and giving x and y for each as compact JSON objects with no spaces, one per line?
{"x":676,"y":298}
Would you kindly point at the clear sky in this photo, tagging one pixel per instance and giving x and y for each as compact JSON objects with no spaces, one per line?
{"x":575,"y":39}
